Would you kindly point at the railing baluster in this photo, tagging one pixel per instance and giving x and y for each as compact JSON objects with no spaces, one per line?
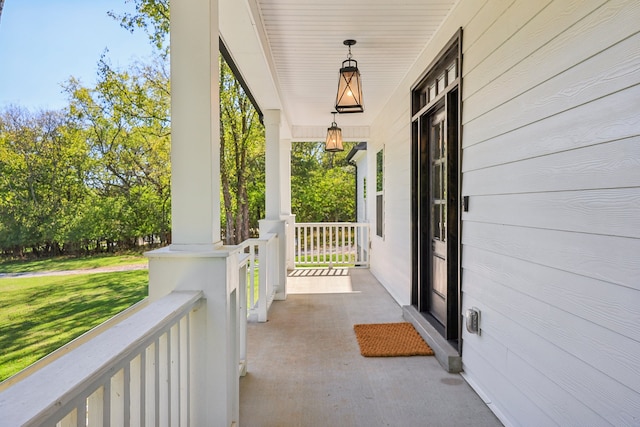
{"x":106,"y":405}
{"x":135,"y":387}
{"x":95,"y":405}
{"x":185,"y":369}
{"x":81,"y":416}
{"x":335,"y":244}
{"x":117,"y":399}
{"x":174,"y":375}
{"x":126,"y":402}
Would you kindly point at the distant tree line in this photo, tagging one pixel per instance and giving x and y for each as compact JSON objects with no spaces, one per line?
{"x":95,"y":176}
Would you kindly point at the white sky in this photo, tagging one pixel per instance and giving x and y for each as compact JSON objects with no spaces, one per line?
{"x":44,"y":42}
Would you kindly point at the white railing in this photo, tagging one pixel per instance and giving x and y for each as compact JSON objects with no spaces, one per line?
{"x":262,"y":264}
{"x":135,"y":373}
{"x":331,"y":244}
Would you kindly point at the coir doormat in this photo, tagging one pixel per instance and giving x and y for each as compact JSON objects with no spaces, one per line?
{"x":390,"y":339}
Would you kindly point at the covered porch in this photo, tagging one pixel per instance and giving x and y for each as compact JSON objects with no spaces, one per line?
{"x":541,"y":99}
{"x":305,"y":368}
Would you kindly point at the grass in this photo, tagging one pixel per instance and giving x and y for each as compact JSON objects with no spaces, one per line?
{"x":323,"y":260}
{"x":40,"y":314}
{"x":70,"y":263}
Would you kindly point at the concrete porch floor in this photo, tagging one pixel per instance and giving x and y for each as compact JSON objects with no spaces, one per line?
{"x":305,"y":367}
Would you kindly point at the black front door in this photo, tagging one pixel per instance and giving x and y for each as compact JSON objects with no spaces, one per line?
{"x":437,"y":216}
{"x":436,"y":221}
{"x":436,"y":209}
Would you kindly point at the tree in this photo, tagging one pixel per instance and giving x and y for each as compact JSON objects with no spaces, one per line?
{"x":43,"y":166}
{"x":152,"y":16}
{"x":127,"y":129}
{"x":322,"y":184}
{"x":241,"y":157}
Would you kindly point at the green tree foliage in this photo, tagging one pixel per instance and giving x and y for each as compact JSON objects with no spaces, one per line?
{"x":43,"y":166}
{"x":152,"y":16}
{"x":322,"y":184}
{"x":126,"y":126}
{"x":241,"y":159}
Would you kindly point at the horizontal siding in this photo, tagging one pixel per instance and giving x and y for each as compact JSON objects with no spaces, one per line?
{"x":606,"y":258}
{"x":582,"y":211}
{"x":391,"y":255}
{"x":585,"y":82}
{"x":604,"y":349}
{"x":511,"y":402}
{"x":608,"y":165}
{"x":524,"y":29}
{"x":576,"y":395}
{"x":551,"y":162}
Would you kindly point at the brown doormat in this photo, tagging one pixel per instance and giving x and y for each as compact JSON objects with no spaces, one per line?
{"x":390,"y":339}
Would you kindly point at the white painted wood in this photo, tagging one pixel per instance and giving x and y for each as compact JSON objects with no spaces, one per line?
{"x":512,"y":403}
{"x":603,"y":349}
{"x":608,"y":119}
{"x":185,"y":370}
{"x":550,"y":376}
{"x":577,"y":43}
{"x":273,"y":169}
{"x":71,"y":420}
{"x":305,"y":46}
{"x":174,"y":374}
{"x":117,"y":398}
{"x":610,"y":165}
{"x":585,"y":82}
{"x":525,"y":28}
{"x":136,"y":391}
{"x":195,"y":136}
{"x":55,"y":389}
{"x":150,"y":385}
{"x":496,"y":23}
{"x":331,"y":244}
{"x":613,"y":308}
{"x":94,"y":408}
{"x":610,"y":259}
{"x":517,"y":324}
{"x":605,"y":211}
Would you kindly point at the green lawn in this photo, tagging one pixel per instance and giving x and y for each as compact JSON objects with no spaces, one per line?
{"x":70,"y":263}
{"x":40,"y":314}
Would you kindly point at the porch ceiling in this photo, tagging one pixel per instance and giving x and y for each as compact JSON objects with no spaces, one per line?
{"x":299,"y":43}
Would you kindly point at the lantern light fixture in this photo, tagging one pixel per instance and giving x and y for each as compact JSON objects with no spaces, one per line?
{"x":349,"y":97}
{"x":334,"y":137}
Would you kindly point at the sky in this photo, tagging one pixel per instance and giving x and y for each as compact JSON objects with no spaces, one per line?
{"x":44,"y":42}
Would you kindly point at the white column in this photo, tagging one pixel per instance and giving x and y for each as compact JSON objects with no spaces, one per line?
{"x":285,"y":180}
{"x":273,"y":170}
{"x":285,"y":212}
{"x":195,"y":135}
{"x":196,"y":259}
{"x":276,"y":179}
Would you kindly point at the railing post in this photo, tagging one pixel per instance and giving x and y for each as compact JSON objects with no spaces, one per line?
{"x":264,"y":278}
{"x":278,"y":227}
{"x":214,"y":328}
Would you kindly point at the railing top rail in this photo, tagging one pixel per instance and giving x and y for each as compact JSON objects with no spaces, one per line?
{"x":41,"y":394}
{"x":266,"y":237}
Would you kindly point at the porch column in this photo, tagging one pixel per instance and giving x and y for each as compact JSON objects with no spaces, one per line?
{"x":276,"y":174}
{"x":286,"y":214}
{"x":196,"y":259}
{"x":195,"y":125}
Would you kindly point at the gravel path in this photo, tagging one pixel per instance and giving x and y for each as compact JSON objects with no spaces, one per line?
{"x":128,"y":267}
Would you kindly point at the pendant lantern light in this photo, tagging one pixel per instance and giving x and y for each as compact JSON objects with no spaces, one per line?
{"x":334,"y":137}
{"x":349,"y":98}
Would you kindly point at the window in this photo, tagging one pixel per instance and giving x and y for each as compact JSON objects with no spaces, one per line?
{"x":379,"y":192}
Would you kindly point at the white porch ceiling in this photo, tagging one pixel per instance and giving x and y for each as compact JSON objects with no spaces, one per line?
{"x":301,"y":45}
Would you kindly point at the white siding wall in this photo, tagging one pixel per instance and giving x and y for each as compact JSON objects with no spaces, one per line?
{"x":551,"y":242}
